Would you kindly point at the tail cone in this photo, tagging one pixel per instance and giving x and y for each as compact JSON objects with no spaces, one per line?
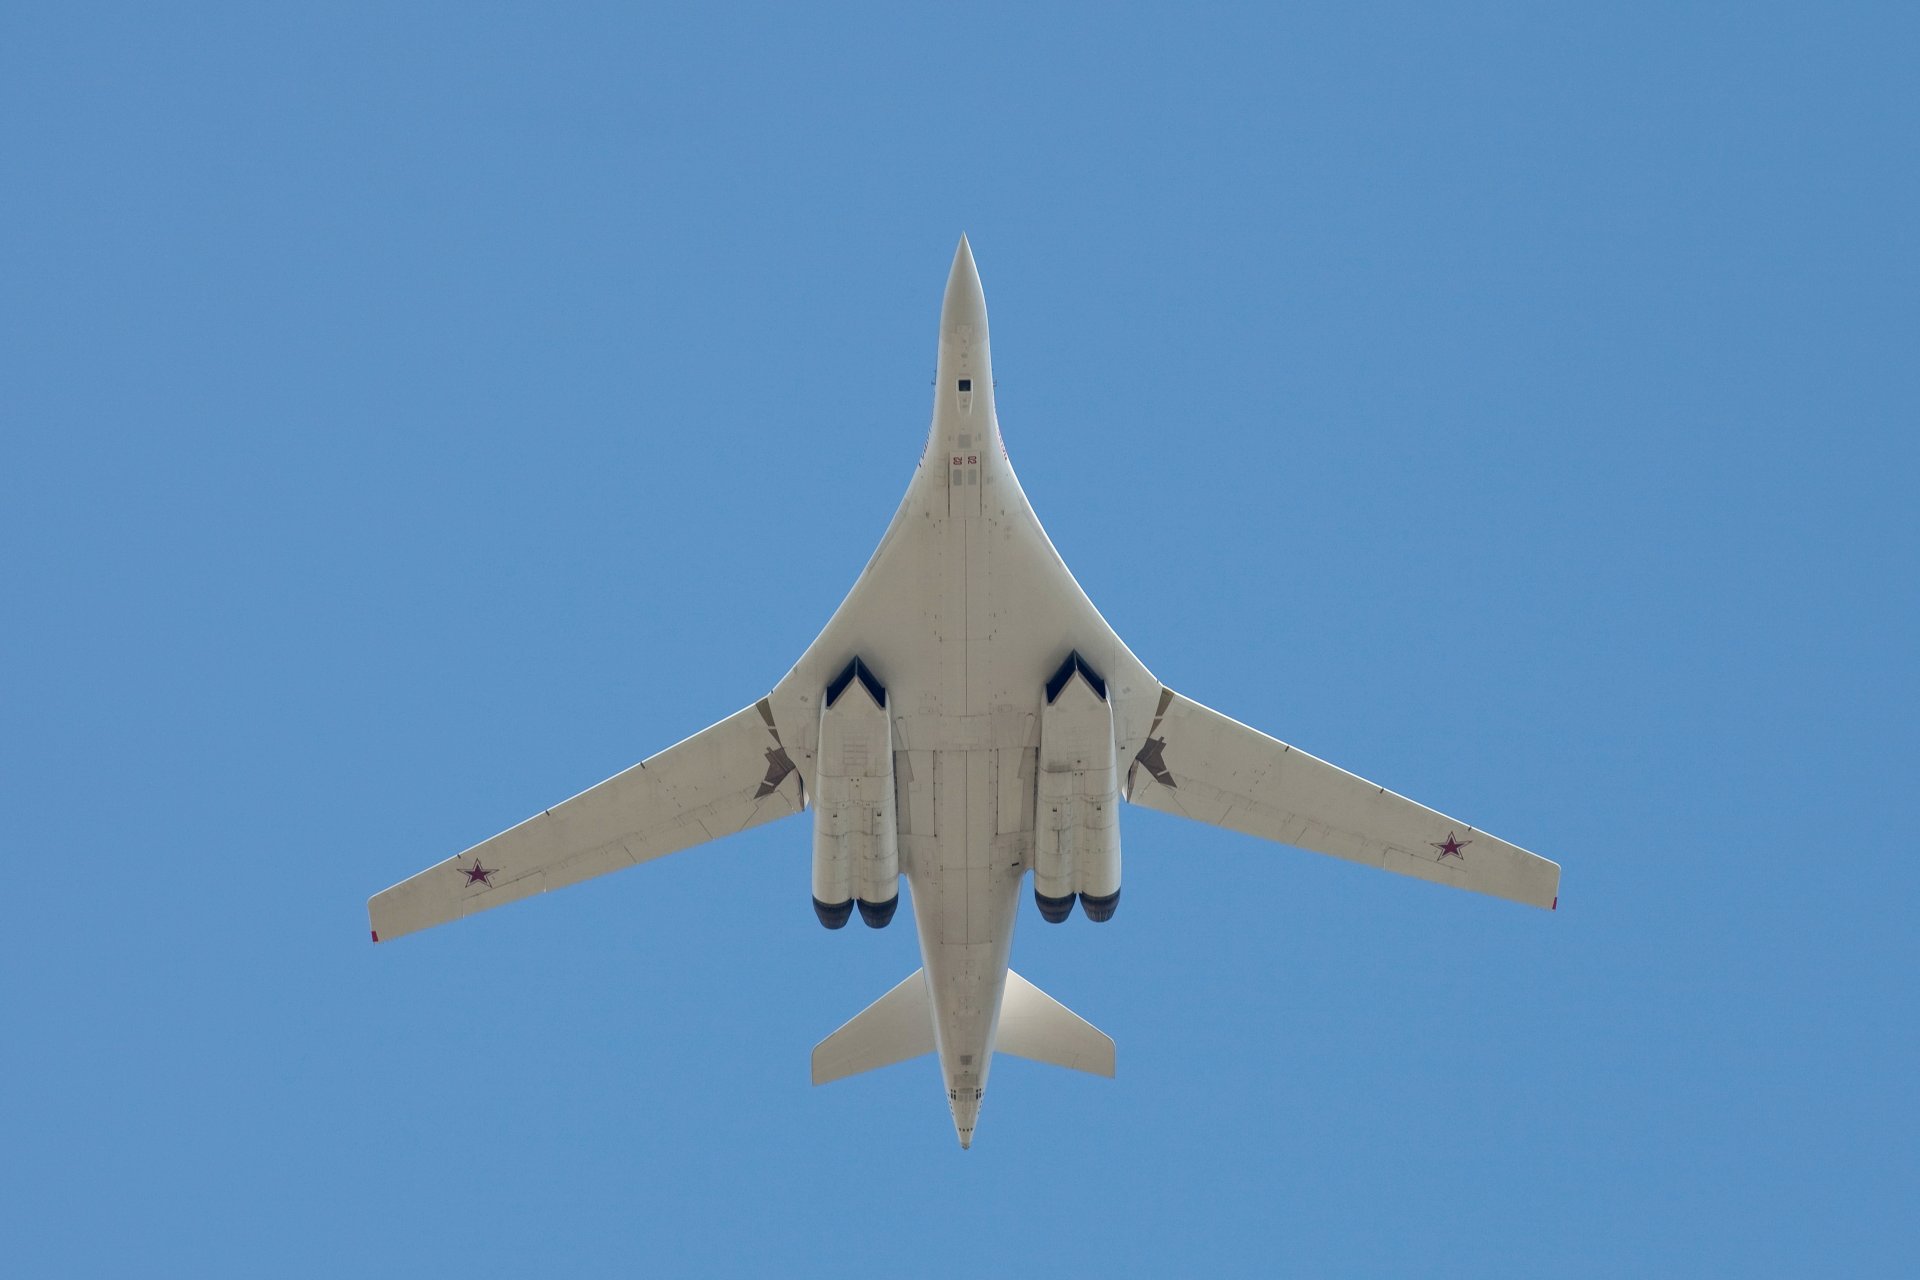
{"x":966,"y":1114}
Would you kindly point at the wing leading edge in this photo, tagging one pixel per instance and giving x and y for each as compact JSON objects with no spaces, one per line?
{"x":728,"y":777}
{"x":1202,"y":765}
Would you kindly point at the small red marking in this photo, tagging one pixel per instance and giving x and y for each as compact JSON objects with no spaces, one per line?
{"x":375,"y":933}
{"x":957,"y":460}
{"x":477,"y":874}
{"x":1556,"y":903}
{"x":973,"y":459}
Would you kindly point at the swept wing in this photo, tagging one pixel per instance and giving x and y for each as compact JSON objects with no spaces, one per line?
{"x":726,"y":778}
{"x":1202,"y":765}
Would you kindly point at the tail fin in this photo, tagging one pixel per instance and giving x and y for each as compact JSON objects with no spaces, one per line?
{"x":897,"y":1026}
{"x":1034,"y":1025}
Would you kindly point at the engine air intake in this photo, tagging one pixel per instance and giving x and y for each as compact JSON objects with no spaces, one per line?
{"x":1075,"y":663}
{"x":857,"y":670}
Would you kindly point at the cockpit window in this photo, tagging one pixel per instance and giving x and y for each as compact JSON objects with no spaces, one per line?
{"x":966,"y":384}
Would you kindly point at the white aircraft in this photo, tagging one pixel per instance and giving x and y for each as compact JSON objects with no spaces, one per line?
{"x":965,"y":718}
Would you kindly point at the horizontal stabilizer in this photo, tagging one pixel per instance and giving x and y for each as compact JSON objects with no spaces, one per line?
{"x":1035,"y":1026}
{"x":897,"y":1026}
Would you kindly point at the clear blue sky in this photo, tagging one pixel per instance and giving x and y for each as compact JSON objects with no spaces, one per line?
{"x":416,"y":413}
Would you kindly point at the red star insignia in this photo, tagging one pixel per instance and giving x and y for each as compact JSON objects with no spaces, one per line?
{"x":477,"y":874}
{"x":1450,"y":847}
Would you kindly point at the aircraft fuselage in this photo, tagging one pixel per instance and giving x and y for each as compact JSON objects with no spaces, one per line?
{"x":963,"y":614}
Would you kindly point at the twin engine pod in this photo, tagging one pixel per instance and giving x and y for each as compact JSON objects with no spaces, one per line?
{"x":1076,"y":830}
{"x":856,"y":841}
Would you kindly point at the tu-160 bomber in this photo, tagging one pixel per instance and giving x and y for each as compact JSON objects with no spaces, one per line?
{"x":966,"y":718}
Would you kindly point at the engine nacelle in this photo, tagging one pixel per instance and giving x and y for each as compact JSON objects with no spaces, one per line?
{"x":856,"y":839}
{"x":1076,"y":830}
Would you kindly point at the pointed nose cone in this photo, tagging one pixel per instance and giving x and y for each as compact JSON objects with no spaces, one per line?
{"x":965,"y":303}
{"x":963,"y":261}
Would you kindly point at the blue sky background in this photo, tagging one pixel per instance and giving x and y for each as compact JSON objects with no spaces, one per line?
{"x":414,"y":414}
